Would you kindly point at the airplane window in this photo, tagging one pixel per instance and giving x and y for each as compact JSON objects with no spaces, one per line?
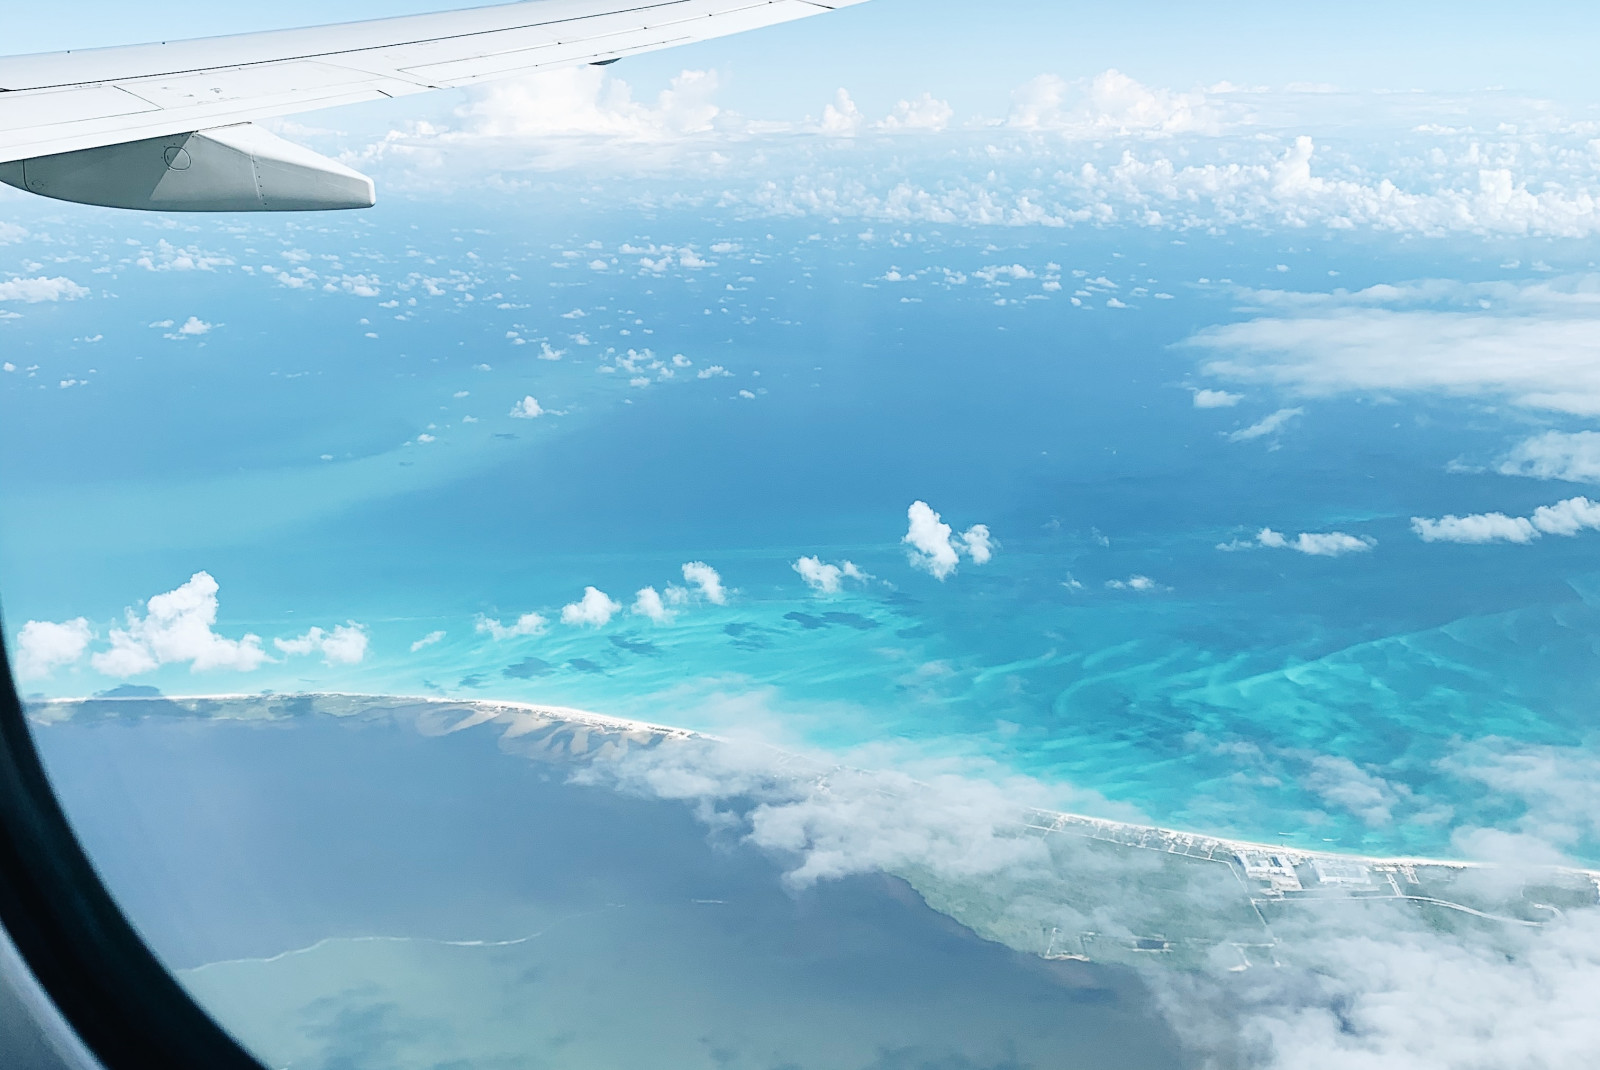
{"x":914,"y":538}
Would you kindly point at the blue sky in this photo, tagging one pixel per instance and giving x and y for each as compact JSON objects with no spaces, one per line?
{"x":975,"y":54}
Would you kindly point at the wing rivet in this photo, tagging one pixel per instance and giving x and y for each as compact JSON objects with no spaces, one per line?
{"x":177,"y":158}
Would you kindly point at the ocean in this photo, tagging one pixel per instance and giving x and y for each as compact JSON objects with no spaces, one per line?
{"x":310,"y":448}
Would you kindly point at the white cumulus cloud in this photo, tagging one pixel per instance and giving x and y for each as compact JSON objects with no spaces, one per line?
{"x":176,"y":628}
{"x":193,"y":327}
{"x":346,"y":644}
{"x":527,"y":624}
{"x":934,"y":548}
{"x":586,"y":101}
{"x":841,"y":118}
{"x":33,"y":291}
{"x":978,"y":544}
{"x":1216,"y":399}
{"x":1314,"y":543}
{"x":1567,"y":517}
{"x":923,"y":113}
{"x":1111,"y":103}
{"x":647,"y":603}
{"x":527,"y":409}
{"x":1574,"y":457}
{"x":825,"y":578}
{"x":44,"y":646}
{"x":594,"y":610}
{"x":929,"y":539}
{"x":1477,"y":527}
{"x":706,"y":580}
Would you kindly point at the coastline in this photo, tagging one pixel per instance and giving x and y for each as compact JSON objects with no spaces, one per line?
{"x":1048,"y":883}
{"x":527,"y":717}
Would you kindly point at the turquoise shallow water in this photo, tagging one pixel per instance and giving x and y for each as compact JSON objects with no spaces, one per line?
{"x":1325,"y":701}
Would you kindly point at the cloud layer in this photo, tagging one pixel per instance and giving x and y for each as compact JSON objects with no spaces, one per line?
{"x":1535,"y":344}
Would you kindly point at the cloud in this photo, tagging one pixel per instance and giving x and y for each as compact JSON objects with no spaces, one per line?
{"x":1573,"y":457}
{"x":177,"y":628}
{"x":924,"y":113}
{"x":840,"y":821}
{"x":33,"y":291}
{"x":929,"y":539}
{"x":427,"y":641}
{"x":1316,"y":544}
{"x":841,"y":118}
{"x":1143,"y":584}
{"x":715,"y":371}
{"x":1111,"y":103}
{"x":193,"y":327}
{"x":1331,"y":543}
{"x":1270,"y":424}
{"x":827,"y":579}
{"x":594,"y":610}
{"x":1004,"y":271}
{"x":587,"y":102}
{"x":1342,"y":783}
{"x":978,"y":544}
{"x":44,"y":646}
{"x":1567,"y":517}
{"x":932,"y":547}
{"x":527,"y":624}
{"x":702,"y":576}
{"x":1538,"y":348}
{"x":1349,"y":983}
{"x":1365,"y":990}
{"x":168,"y":257}
{"x":1029,"y":181}
{"x":527,"y":409}
{"x":1478,"y":527}
{"x":1552,"y":793}
{"x":1216,"y":399}
{"x":647,"y":603}
{"x":1103,"y":151}
{"x":1368,"y":988}
{"x":346,"y":644}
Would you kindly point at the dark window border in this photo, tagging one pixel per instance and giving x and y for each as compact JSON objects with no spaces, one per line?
{"x":108,"y":985}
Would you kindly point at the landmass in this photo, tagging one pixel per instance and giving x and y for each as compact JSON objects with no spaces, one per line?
{"x":1103,"y":890}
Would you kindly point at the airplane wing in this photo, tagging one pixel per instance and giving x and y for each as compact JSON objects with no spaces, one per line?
{"x":70,"y":119}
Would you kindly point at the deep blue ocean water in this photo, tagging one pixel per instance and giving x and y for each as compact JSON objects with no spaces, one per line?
{"x":1204,"y":701}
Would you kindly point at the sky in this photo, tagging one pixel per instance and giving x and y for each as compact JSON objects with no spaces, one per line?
{"x":974,"y":54}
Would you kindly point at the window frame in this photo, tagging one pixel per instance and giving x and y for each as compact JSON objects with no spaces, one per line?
{"x":90,"y":961}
